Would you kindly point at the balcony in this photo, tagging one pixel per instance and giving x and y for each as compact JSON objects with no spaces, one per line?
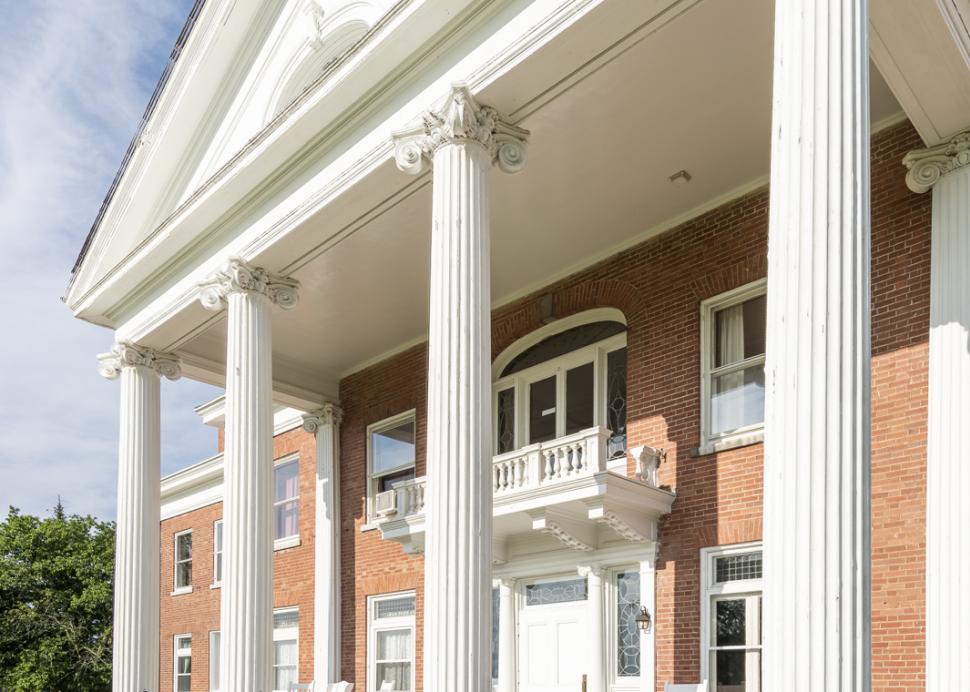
{"x":565,"y":492}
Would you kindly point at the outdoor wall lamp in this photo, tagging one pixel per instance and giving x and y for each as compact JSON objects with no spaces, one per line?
{"x":643,"y":620}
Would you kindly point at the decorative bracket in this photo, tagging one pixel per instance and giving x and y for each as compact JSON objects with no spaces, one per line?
{"x":630,"y":525}
{"x":927,"y":166}
{"x":460,"y":121}
{"x":571,"y":533}
{"x":648,"y":460}
{"x":126,"y":354}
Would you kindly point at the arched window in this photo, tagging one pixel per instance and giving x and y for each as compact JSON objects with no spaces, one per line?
{"x":564,"y":378}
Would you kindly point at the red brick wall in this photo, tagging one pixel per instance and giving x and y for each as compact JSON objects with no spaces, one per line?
{"x":197,"y":613}
{"x":659,"y":285}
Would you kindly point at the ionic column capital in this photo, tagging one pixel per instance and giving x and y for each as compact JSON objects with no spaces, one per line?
{"x":239,"y":276}
{"x":591,"y":570}
{"x":461,"y":120}
{"x":328,"y":414}
{"x":927,"y":166}
{"x":125,"y":354}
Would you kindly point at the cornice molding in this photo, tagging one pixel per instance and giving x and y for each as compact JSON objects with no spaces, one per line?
{"x":329,"y":414}
{"x":461,"y":121}
{"x":125,"y":354}
{"x":927,"y":166}
{"x":239,"y":276}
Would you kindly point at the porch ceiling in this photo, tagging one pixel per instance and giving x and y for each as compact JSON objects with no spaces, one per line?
{"x":694,"y":95}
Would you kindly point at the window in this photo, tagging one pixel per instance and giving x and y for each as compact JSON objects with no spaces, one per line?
{"x":215,"y":662}
{"x":183,"y":663}
{"x":733,"y":367}
{"x":731,"y":618}
{"x":390,"y":454}
{"x":286,"y":650}
{"x":556,"y":591}
{"x":217,"y":552}
{"x":568,"y":382}
{"x":390,"y":649}
{"x":286,"y":505}
{"x":627,"y":585}
{"x":183,"y":562}
{"x":496,"y":611}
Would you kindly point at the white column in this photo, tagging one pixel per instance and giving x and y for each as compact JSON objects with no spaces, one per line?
{"x":247,"y":555}
{"x":648,"y":650}
{"x":946,"y":169}
{"x":325,"y":423}
{"x":462,"y":140}
{"x":595,"y":670}
{"x":816,"y":494}
{"x":136,"y":589}
{"x":506,"y":635}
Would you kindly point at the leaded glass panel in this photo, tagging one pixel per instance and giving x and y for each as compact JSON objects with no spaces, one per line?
{"x":550,"y":592}
{"x":628,"y":635}
{"x":616,"y":401}
{"x":394,"y":607}
{"x":506,"y":420}
{"x":738,"y":567}
{"x":563,"y":343}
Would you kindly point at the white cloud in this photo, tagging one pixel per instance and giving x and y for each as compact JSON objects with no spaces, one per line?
{"x":74,"y":81}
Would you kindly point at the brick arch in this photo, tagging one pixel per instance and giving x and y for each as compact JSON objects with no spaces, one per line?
{"x":525,"y":317}
{"x":744,"y":271}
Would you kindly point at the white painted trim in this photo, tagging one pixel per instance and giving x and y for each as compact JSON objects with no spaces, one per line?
{"x":191,"y":488}
{"x":284,"y":542}
{"x":285,"y":418}
{"x":185,"y":588}
{"x":175,"y":657}
{"x":735,"y":438}
{"x":398,"y":623}
{"x":216,"y":583}
{"x":286,"y":634}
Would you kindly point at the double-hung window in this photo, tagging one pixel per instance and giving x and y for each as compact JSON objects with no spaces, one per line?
{"x":286,"y":649}
{"x":286,"y":504}
{"x":183,"y":663}
{"x":390,"y":646}
{"x":217,"y":553}
{"x":390,"y":454}
{"x":731,"y":618}
{"x":733,"y":367}
{"x":215,"y":661}
{"x":183,"y":562}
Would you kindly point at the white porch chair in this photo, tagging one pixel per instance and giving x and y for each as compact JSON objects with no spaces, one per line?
{"x":387,"y":686}
{"x":691,"y":687}
{"x":341,"y":687}
{"x":295,"y":686}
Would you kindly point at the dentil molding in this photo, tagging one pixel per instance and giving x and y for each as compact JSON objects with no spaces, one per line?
{"x":329,"y":414}
{"x":239,"y":276}
{"x":126,"y":354}
{"x":927,"y":166}
{"x":461,"y":120}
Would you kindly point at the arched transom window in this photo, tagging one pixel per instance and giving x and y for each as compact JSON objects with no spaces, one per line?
{"x":563,"y":379}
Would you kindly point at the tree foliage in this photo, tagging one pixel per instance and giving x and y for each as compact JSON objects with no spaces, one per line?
{"x":55,"y":602}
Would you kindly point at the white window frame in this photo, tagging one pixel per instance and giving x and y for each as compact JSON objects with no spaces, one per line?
{"x":186,"y":588}
{"x":287,"y":541}
{"x":750,"y":434}
{"x":218,"y":541}
{"x":285,"y":635}
{"x":396,"y":623}
{"x":711,"y":591}
{"x":557,"y":367}
{"x":372,"y":480}
{"x":178,"y":651}
{"x":617,"y":683}
{"x":215,"y":657}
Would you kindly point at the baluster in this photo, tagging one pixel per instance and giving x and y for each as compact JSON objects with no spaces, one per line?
{"x":559,"y":464}
{"x":519,"y":471}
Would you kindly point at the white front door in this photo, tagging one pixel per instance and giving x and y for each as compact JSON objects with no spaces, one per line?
{"x":553,"y":636}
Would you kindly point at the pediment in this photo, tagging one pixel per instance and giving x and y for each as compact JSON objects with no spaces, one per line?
{"x":236,"y":68}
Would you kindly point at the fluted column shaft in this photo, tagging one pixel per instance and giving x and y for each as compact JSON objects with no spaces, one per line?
{"x":506,"y":635}
{"x":946,"y":169}
{"x":247,"y":512}
{"x":325,"y":424}
{"x":461,"y":141}
{"x":596,"y":673}
{"x":817,"y":419}
{"x":136,"y":587}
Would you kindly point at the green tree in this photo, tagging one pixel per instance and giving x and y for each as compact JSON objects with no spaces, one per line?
{"x":55,"y":602}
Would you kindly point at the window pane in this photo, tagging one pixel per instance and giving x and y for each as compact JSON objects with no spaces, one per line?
{"x":738,"y":399}
{"x":398,"y":673}
{"x":628,"y":635}
{"x":393,"y":448}
{"x":506,"y":421}
{"x":563,"y":343}
{"x":542,"y":410}
{"x":286,"y":619}
{"x":616,"y":401}
{"x":738,"y":567}
{"x":287,"y":481}
{"x":288,"y":519}
{"x":392,"y":480}
{"x":184,"y":547}
{"x":579,"y":398}
{"x":549,"y":592}
{"x":730,"y":621}
{"x":730,"y":671}
{"x":394,"y":645}
{"x":740,"y":331}
{"x":183,"y":574}
{"x":394,"y":607}
{"x":184,"y":684}
{"x":184,"y":665}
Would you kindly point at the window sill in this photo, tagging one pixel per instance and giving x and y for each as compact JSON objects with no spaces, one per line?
{"x":284,"y":543}
{"x":181,"y":591}
{"x":731,"y":442}
{"x":370,"y":525}
{"x":216,"y":585}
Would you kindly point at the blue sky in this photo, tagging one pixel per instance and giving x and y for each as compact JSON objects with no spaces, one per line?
{"x":75,"y":76}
